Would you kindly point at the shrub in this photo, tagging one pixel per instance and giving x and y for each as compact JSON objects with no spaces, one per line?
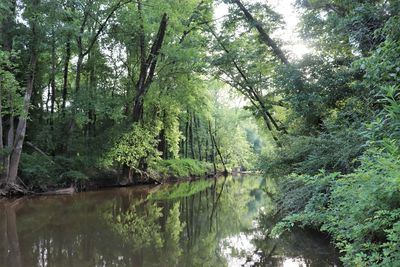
{"x":135,"y":147}
{"x":182,"y":167}
{"x":38,"y":170}
{"x":74,"y":177}
{"x":42,"y":172}
{"x":331,"y":151}
{"x":360,"y":210}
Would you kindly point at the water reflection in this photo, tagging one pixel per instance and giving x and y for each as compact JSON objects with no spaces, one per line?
{"x":11,"y":255}
{"x":202,"y":223}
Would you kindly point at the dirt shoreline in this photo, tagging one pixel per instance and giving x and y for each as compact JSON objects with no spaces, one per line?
{"x":95,"y":184}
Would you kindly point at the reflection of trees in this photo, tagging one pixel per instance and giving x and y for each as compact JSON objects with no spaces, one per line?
{"x":138,"y":226}
{"x":172,"y":250}
{"x":151,"y":232}
{"x":179,"y":225}
{"x":180,"y":190}
{"x":213,"y":214}
{"x":70,"y":231}
{"x":10,"y":252}
{"x":311,"y":248}
{"x":216,"y":198}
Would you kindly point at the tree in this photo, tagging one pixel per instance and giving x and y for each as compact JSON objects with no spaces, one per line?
{"x":16,"y":139}
{"x":148,"y":63}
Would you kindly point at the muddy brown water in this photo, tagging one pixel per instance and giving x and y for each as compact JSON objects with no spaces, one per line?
{"x":200,"y":223}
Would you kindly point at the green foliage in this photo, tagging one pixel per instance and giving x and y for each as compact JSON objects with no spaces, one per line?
{"x":382,"y":67}
{"x":303,"y":191}
{"x":326,"y":85}
{"x":38,"y":170}
{"x":182,"y":168}
{"x":340,"y":107}
{"x":169,"y":109}
{"x":344,"y":118}
{"x":237,"y":145}
{"x":138,"y":145}
{"x":72,"y":177}
{"x":11,"y":100}
{"x":360,"y":210}
{"x":85,"y":128}
{"x":331,"y":151}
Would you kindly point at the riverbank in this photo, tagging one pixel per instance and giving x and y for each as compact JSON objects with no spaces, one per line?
{"x":165,"y":171}
{"x":359,"y":210}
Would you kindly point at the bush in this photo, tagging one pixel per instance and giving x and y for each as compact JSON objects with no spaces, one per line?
{"x":74,"y":177}
{"x":331,"y":151}
{"x":361,"y":210}
{"x":37,"y":170}
{"x":136,"y":147}
{"x":182,"y":167}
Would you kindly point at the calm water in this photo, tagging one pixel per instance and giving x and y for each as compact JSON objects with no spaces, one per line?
{"x":202,"y":223}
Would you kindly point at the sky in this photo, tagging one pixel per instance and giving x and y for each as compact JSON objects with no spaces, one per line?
{"x":293,"y":43}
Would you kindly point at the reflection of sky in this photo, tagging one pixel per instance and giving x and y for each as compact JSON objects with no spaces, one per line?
{"x":293,"y":262}
{"x":69,"y":231}
{"x":239,"y":251}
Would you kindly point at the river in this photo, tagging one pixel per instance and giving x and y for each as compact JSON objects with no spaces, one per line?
{"x":201,"y":223}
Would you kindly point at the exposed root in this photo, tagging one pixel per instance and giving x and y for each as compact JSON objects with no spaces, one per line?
{"x":10,"y":190}
{"x":145,"y":177}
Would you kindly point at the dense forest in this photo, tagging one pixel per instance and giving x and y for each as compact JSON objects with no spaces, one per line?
{"x":143,"y":90}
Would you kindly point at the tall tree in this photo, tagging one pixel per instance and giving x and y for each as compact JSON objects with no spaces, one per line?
{"x":21,"y":127}
{"x":148,"y":62}
{"x":99,"y":26}
{"x":15,"y":137}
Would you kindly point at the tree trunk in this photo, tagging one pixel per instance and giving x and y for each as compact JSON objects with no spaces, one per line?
{"x":10,"y":143}
{"x":92,"y":91}
{"x":187,"y":137}
{"x":7,"y":31}
{"x":197,"y":126}
{"x":217,"y":149}
{"x":78,"y":72}
{"x":249,"y":91}
{"x":147,"y":66}
{"x":212,"y":148}
{"x":138,"y":107}
{"x":53,"y":75}
{"x":162,"y":144}
{"x":263,"y":34}
{"x":21,"y":127}
{"x":299,"y":81}
{"x":2,"y":178}
{"x":191,"y":137}
{"x":147,"y":69}
{"x":65,"y":77}
{"x":206,"y":151}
